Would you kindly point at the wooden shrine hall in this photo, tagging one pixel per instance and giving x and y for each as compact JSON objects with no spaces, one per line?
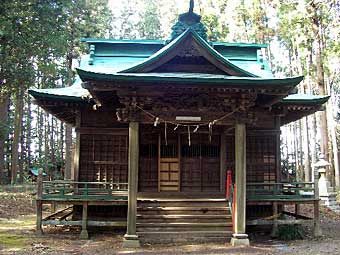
{"x":176,"y":140}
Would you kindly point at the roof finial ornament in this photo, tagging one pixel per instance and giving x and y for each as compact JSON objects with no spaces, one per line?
{"x":192,"y":4}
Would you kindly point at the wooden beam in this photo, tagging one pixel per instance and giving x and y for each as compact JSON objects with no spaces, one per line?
{"x":279,"y":222}
{"x":130,"y":238}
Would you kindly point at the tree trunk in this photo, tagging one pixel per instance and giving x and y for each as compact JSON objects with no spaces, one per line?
{"x":316,"y":21}
{"x":17,"y":134}
{"x":4,"y":103}
{"x":307,"y":165}
{"x":28,"y":134}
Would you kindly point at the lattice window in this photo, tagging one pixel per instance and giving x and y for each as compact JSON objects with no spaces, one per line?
{"x":103,"y":157}
{"x":148,"y":163}
{"x":200,"y":164}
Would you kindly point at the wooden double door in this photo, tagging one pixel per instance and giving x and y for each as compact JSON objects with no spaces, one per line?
{"x":172,"y":165}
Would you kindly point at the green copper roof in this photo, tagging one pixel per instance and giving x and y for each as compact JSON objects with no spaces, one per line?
{"x":122,"y":41}
{"x":187,"y":78}
{"x":171,"y":46}
{"x":305,"y":99}
{"x":74,"y":93}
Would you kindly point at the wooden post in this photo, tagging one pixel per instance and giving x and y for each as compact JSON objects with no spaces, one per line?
{"x":39,"y":202}
{"x":84,"y":234}
{"x":278,"y":149}
{"x":130,"y":238}
{"x":275,"y":223}
{"x":317,"y":228}
{"x":240,"y":237}
{"x":223,"y":159}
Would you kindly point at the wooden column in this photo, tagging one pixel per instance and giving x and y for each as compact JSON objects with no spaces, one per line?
{"x":278,"y":148}
{"x":275,"y":223}
{"x":84,"y":234}
{"x":317,"y":228}
{"x":130,"y":238}
{"x":76,"y":152}
{"x":240,"y":237}
{"x":39,"y":202}
{"x":223,"y":159}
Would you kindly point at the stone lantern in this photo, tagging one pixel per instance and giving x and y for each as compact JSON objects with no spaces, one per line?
{"x":325,"y":191}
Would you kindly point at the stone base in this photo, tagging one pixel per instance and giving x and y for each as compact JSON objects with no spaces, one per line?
{"x":39,"y":232}
{"x":329,"y":200}
{"x":131,"y":241}
{"x":84,"y":235}
{"x":240,"y":240}
{"x":317,"y":232}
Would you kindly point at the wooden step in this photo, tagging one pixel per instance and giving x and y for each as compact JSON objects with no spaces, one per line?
{"x":181,"y":204}
{"x":185,"y":236}
{"x":183,"y":208}
{"x":198,"y":220}
{"x":175,"y":212}
{"x":183,"y":218}
{"x":181,"y":224}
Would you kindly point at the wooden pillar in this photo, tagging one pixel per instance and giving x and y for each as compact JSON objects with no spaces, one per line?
{"x":130,"y":238}
{"x":84,"y":234}
{"x":223,"y":159}
{"x":240,"y":237}
{"x":317,"y":228}
{"x":275,"y":223}
{"x":39,"y":201}
{"x":278,"y":149}
{"x":76,"y":152}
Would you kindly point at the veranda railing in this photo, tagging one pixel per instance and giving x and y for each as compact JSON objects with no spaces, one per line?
{"x":65,"y":190}
{"x":281,"y":191}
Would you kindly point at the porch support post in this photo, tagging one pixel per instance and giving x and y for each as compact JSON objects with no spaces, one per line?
{"x":275,"y":229}
{"x":130,"y":238}
{"x":84,"y":234}
{"x":240,"y":237}
{"x":317,"y":228}
{"x":39,"y":202}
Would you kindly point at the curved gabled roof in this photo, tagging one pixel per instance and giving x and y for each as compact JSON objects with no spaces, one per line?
{"x":170,"y":51}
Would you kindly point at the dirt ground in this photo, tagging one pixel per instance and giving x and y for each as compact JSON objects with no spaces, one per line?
{"x":17,"y":236}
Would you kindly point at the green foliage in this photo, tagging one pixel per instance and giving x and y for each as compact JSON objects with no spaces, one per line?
{"x":149,"y":25}
{"x":290,"y":232}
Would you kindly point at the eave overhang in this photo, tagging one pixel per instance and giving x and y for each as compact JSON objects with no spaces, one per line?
{"x":187,"y":78}
{"x":62,"y":103}
{"x":297,"y":106}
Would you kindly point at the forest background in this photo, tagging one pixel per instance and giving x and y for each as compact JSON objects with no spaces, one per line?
{"x":40,"y":46}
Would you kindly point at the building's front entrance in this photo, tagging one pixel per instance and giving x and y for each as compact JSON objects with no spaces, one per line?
{"x":173,"y":164}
